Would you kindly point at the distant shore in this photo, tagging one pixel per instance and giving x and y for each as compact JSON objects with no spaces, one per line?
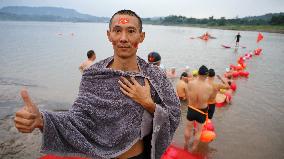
{"x":257,"y":28}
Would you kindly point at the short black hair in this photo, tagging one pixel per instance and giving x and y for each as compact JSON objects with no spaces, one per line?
{"x":203,"y":70}
{"x":211,"y":72}
{"x":229,"y":82}
{"x":90,"y":53}
{"x":184,"y":74}
{"x":127,"y":12}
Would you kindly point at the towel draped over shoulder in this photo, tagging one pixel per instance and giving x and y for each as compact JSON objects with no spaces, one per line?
{"x":103,"y":123}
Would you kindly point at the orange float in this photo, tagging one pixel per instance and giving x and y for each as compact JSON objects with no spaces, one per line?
{"x":244,"y":65}
{"x":220,"y":100}
{"x":207,"y":136}
{"x":233,"y":86}
{"x":235,"y":74}
{"x":257,"y":51}
{"x":209,"y":126}
{"x":244,"y":74}
{"x":174,"y":152}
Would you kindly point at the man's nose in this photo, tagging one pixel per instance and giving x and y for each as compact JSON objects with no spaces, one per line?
{"x":123,"y":37}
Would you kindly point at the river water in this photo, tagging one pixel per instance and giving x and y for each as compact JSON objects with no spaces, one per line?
{"x":44,"y":57}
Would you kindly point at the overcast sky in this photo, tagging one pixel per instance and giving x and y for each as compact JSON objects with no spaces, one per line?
{"x":154,"y":8}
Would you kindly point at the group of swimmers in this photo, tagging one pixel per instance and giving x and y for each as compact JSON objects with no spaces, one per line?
{"x":200,"y":91}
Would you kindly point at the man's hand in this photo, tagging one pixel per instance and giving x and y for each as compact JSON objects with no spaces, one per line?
{"x":140,"y":94}
{"x":28,"y":118}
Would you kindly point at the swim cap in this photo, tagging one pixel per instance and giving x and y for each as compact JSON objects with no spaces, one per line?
{"x":154,"y":57}
{"x":211,"y":72}
{"x":194,"y":73}
{"x":203,"y":70}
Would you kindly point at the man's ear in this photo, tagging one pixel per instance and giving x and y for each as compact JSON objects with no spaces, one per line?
{"x":142,"y":37}
{"x":108,"y":35}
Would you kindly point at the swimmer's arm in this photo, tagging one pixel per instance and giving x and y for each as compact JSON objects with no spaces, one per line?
{"x":223,"y":86}
{"x":222,"y":80}
{"x":81,"y":68}
{"x":188,"y":90}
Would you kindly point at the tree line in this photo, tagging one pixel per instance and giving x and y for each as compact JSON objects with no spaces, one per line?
{"x":268,"y":19}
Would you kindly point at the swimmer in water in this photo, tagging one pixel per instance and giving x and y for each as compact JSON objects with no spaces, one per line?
{"x":216,"y":87}
{"x":86,"y":64}
{"x":181,"y":86}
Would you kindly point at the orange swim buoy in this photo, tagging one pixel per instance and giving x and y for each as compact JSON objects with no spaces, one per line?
{"x":239,"y":67}
{"x":220,"y":100}
{"x":257,"y":51}
{"x":233,"y":86}
{"x":235,"y":74}
{"x":233,"y":67}
{"x":244,"y":65}
{"x":245,"y":73}
{"x":207,"y":136}
{"x":174,"y":152}
{"x":209,"y":126}
{"x":222,"y":104}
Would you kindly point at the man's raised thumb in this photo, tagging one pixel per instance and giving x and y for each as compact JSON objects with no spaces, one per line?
{"x":27,"y":100}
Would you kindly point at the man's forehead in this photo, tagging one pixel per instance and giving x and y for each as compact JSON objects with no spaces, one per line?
{"x":125,"y":20}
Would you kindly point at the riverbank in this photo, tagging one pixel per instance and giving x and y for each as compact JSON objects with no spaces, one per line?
{"x":17,"y":145}
{"x":257,"y":28}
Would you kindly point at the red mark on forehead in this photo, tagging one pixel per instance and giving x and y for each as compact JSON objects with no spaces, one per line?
{"x":123,"y":21}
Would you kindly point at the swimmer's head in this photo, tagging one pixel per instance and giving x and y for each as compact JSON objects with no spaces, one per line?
{"x":130,"y":13}
{"x":211,"y":72}
{"x":184,"y":74}
{"x":154,"y":58}
{"x":229,"y":83}
{"x":194,"y":73}
{"x":91,"y":55}
{"x":203,"y":70}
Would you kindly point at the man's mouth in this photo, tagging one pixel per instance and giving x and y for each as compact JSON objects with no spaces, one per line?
{"x":123,"y":47}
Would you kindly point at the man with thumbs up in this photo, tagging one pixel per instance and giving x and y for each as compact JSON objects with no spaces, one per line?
{"x":126,"y":108}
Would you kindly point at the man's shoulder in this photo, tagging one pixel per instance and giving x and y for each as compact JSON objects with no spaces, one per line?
{"x":150,"y":69}
{"x":102,"y":63}
{"x":97,"y":66}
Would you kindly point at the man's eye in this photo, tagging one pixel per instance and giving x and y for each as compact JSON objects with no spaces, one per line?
{"x":117,"y":30}
{"x":131,"y":31}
